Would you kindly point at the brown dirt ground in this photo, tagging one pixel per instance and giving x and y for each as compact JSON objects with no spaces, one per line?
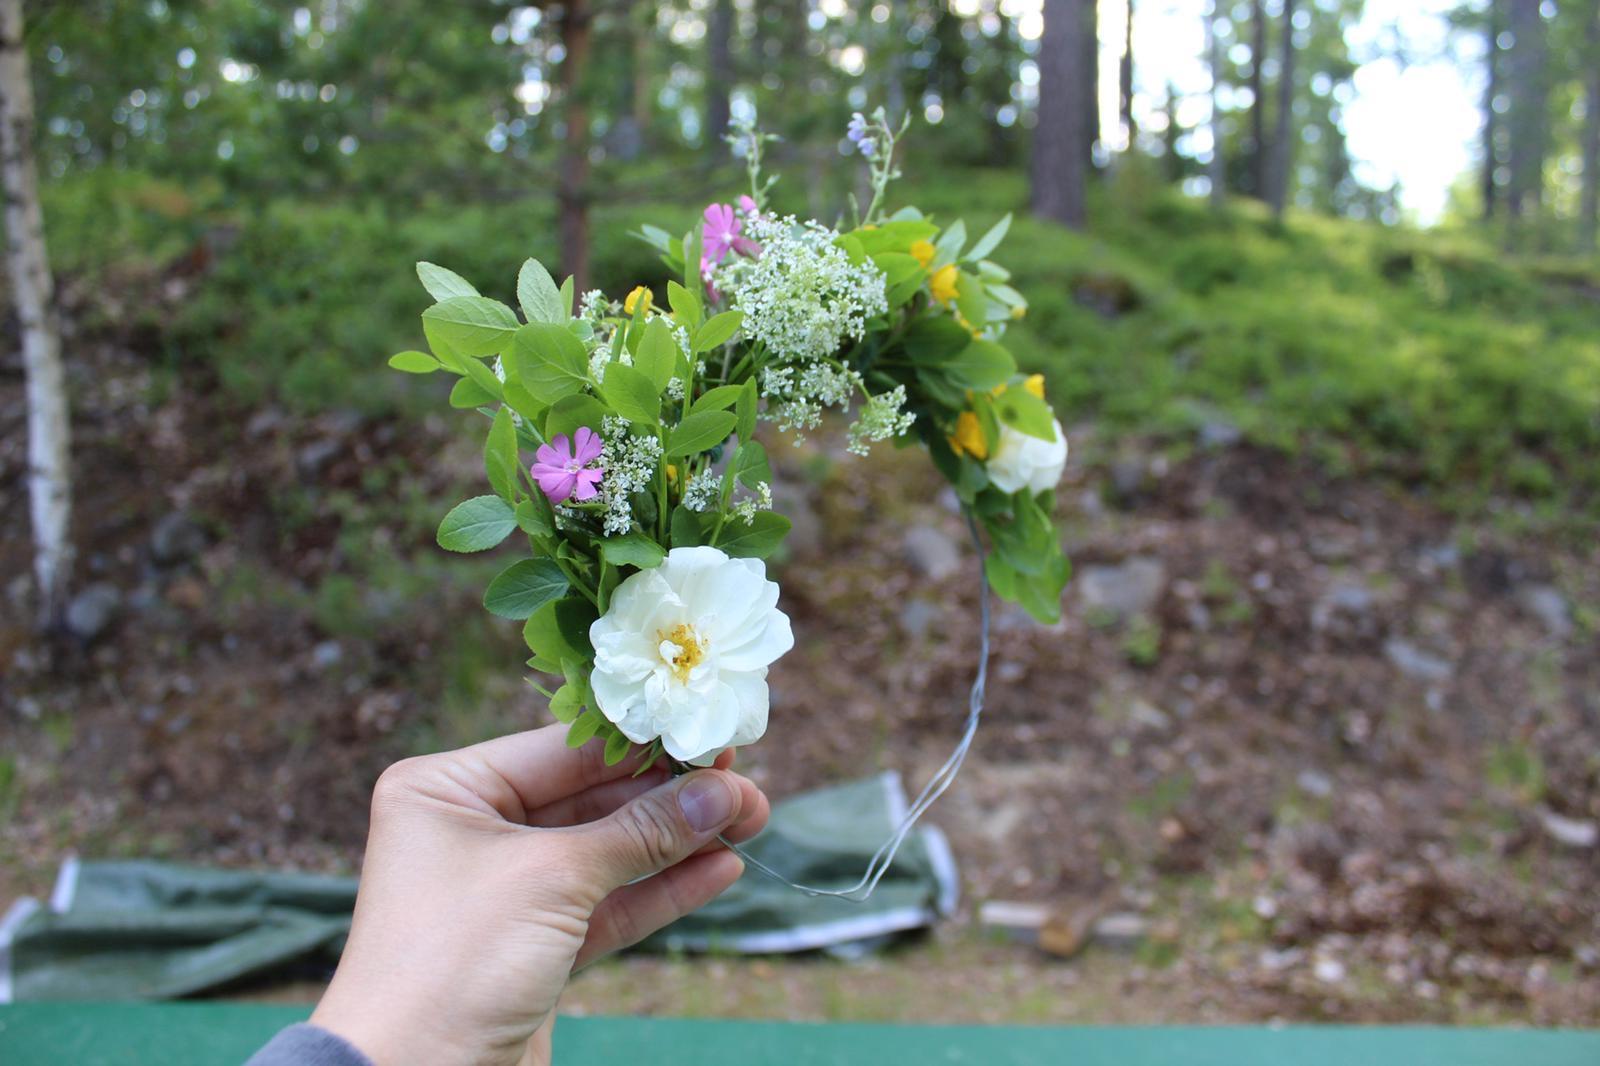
{"x":1308,"y":832}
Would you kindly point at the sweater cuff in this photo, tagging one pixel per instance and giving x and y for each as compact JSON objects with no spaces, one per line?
{"x":306,"y":1045}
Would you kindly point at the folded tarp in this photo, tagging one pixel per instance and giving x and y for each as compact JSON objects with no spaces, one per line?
{"x":152,"y":930}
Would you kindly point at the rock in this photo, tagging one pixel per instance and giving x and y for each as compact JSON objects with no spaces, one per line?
{"x":1314,"y":784}
{"x":1328,"y":971}
{"x":1416,"y":663}
{"x":1573,"y":832}
{"x":1127,"y":478}
{"x":311,"y":458}
{"x":916,"y":616}
{"x":805,"y":539}
{"x":91,"y":612}
{"x":176,"y":538}
{"x":1017,"y":920}
{"x":931,"y":552}
{"x":1131,"y":588}
{"x":326,"y":654}
{"x":1219,"y":433}
{"x":1345,"y":608}
{"x":1546,"y":603}
{"x":1149,"y":716}
{"x":1123,"y":929}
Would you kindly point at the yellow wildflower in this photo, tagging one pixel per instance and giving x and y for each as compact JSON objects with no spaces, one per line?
{"x":634,"y":299}
{"x":1033,"y":383}
{"x":943,"y":283}
{"x":969,"y":438}
{"x":1019,"y":311}
{"x":672,"y":473}
{"x":924,"y":252}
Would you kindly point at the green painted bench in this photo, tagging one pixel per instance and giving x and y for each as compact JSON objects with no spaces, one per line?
{"x":223,"y":1034}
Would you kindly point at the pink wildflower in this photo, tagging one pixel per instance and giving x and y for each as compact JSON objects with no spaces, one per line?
{"x":747,"y":206}
{"x":722,"y":226}
{"x":563,"y":471}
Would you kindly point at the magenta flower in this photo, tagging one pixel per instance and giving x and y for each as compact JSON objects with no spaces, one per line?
{"x":722,"y":226}
{"x":747,"y":206}
{"x":563,"y":470}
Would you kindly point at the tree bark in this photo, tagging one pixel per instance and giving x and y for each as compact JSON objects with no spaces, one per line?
{"x":1125,"y":79}
{"x":1256,"y":153}
{"x":1491,"y":123}
{"x":1059,"y":167}
{"x":1589,"y":202}
{"x":1283,"y":134}
{"x":719,"y":74}
{"x":1216,"y":171}
{"x":33,"y":293}
{"x":1529,"y":89}
{"x":572,"y":186}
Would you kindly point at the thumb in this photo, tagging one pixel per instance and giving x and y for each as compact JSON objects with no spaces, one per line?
{"x":661,"y":828}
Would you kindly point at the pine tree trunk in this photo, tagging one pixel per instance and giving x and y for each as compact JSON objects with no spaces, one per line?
{"x":1089,"y":13}
{"x":1528,"y":87}
{"x":719,"y":74}
{"x":1283,"y":134}
{"x":1257,"y":150}
{"x":33,"y":293}
{"x":1589,"y":204}
{"x":1125,"y":79}
{"x":1491,"y":123}
{"x":1059,"y":167}
{"x":572,"y":186}
{"x":1216,"y":169}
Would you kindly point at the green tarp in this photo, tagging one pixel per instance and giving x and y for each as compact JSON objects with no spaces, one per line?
{"x":196,"y":1034}
{"x":149,"y":930}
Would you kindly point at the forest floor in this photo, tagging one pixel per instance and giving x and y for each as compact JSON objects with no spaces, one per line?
{"x":1336,"y":749}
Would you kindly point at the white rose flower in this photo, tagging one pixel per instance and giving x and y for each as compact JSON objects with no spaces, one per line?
{"x":682,"y":653}
{"x":1023,"y":462}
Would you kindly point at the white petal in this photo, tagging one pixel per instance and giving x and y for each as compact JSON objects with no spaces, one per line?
{"x":760,"y":646}
{"x":750,"y":691}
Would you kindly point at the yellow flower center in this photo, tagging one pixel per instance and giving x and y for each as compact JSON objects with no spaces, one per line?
{"x":682,"y":649}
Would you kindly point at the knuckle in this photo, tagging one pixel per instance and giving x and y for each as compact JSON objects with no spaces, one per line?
{"x":397,"y":783}
{"x":651,"y":832}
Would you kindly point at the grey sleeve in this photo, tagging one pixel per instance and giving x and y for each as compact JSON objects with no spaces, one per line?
{"x":306,"y":1045}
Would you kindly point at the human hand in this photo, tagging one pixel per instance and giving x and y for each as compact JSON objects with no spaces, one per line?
{"x":493,"y":872}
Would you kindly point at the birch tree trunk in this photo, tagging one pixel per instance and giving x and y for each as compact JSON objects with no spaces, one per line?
{"x":33,"y":293}
{"x":1060,"y":169}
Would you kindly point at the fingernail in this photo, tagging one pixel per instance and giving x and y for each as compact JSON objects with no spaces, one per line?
{"x":706,"y":802}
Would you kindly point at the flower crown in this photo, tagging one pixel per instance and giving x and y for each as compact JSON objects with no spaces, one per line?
{"x":648,"y":505}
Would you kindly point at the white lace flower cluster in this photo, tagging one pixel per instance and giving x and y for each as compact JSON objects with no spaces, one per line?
{"x":802,"y":297}
{"x":629,"y":462}
{"x":797,"y":396}
{"x":881,"y":418}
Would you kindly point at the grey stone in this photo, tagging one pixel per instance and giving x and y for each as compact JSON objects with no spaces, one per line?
{"x":1572,"y":832}
{"x":1122,"y":929}
{"x":805,"y":537}
{"x":932,"y":552}
{"x":326,"y":654}
{"x":1219,"y":433}
{"x":1315,"y":784}
{"x":1344,"y":605}
{"x":91,"y":612}
{"x":1416,"y":663}
{"x":1127,"y":477}
{"x":319,"y":453}
{"x":1546,"y":603}
{"x":916,"y":617}
{"x":176,"y":538}
{"x":1130,"y":588}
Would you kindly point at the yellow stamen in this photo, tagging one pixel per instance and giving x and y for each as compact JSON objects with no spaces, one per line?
{"x":682,"y":649}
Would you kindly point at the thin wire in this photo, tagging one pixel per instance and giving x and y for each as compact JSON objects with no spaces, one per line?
{"x":883,"y":858}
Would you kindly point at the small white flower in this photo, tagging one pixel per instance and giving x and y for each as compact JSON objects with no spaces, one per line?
{"x":683,"y":651}
{"x":1023,"y":462}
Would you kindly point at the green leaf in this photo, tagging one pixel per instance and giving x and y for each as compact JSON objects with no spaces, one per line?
{"x":617,"y":745}
{"x":895,"y":236}
{"x":583,"y":728}
{"x":500,"y":460}
{"x":700,"y":431}
{"x":947,"y":249}
{"x":1026,"y":413}
{"x":414,"y":362}
{"x":631,"y":394}
{"x":685,"y":305}
{"x":657,"y":356}
{"x":981,"y":365}
{"x":522,"y":402}
{"x":693,"y":248}
{"x":971,"y":300}
{"x":550,"y":362}
{"x":472,"y":325}
{"x":476,"y":525}
{"x":688,"y":531}
{"x":716,"y":330}
{"x":537,"y":293}
{"x":749,"y":467}
{"x":718,"y":399}
{"x":467,"y":394}
{"x":632,"y":549}
{"x":566,"y":704}
{"x":990,"y":240}
{"x":757,"y":540}
{"x":559,"y":632}
{"x":443,"y":284}
{"x":567,"y":414}
{"x":903,"y":275}
{"x":524,"y":587}
{"x":533,"y":516}
{"x":851,"y":246}
{"x":746,"y":410}
{"x":569,"y":293}
{"x":482,"y":376}
{"x":935,"y":339}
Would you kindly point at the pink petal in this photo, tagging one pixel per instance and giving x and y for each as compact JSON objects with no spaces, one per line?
{"x":557,"y":485}
{"x":587,"y":445}
{"x":747,"y":205}
{"x":587,"y":482}
{"x":557,"y":453}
